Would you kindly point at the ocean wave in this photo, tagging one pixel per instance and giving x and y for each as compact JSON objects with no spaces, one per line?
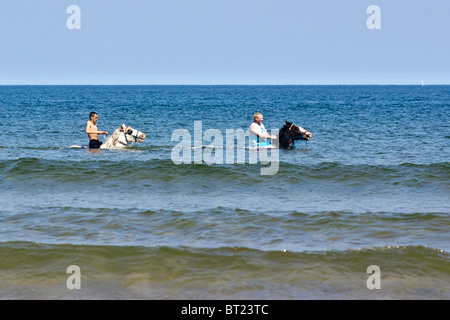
{"x":294,"y":231}
{"x":31,"y":270}
{"x":408,"y":174}
{"x":391,"y":254}
{"x":40,"y":271}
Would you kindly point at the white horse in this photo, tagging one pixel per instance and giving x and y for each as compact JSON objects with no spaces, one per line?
{"x":121,"y":137}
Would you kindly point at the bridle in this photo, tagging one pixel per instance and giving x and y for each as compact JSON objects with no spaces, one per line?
{"x":294,"y":138}
{"x":136,"y":137}
{"x":290,"y":130}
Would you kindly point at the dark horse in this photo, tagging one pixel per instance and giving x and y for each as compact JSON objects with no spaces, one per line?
{"x":290,"y":133}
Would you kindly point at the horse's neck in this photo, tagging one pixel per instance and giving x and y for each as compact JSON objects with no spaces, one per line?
{"x":285,"y":133}
{"x":112,"y":141}
{"x":284,"y":137}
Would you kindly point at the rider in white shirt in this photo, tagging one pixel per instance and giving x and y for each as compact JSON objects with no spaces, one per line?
{"x":258,"y":133}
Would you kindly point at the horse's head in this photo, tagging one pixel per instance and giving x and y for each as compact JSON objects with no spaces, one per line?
{"x":296,"y":132}
{"x":290,"y":133}
{"x":122,"y":136}
{"x":131,"y":135}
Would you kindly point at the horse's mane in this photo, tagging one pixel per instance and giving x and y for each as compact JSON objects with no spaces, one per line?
{"x":112,"y":141}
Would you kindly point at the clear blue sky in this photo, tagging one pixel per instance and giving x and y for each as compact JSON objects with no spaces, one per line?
{"x":225,"y":42}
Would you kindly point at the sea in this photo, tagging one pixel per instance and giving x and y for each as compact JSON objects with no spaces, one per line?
{"x":360,"y":211}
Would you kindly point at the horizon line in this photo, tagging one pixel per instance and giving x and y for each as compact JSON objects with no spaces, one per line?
{"x":230,"y":84}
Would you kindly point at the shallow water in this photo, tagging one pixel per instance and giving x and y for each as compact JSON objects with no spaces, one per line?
{"x":370,"y":188}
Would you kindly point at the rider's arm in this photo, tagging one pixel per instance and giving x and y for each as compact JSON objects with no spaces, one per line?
{"x":255,"y":129}
{"x":90,"y":130}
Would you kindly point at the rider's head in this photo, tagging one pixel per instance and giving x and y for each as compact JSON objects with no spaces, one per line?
{"x":258,"y":118}
{"x":93,"y":116}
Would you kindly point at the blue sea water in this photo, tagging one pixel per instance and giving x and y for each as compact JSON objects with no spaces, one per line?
{"x":370,"y":188}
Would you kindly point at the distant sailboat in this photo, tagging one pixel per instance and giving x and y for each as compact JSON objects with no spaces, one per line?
{"x":421,"y":83}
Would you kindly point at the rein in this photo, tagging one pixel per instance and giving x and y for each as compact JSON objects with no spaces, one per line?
{"x":136,"y":137}
{"x":294,"y":137}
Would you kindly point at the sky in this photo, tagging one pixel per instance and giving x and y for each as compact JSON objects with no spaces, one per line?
{"x":224,"y":42}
